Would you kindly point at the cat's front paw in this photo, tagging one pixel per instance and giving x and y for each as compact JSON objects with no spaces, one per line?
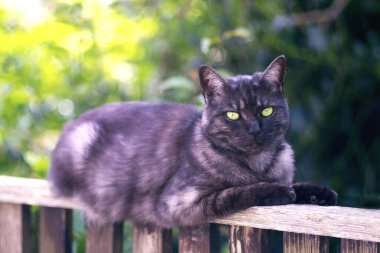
{"x":276,"y":194}
{"x":315,"y":194}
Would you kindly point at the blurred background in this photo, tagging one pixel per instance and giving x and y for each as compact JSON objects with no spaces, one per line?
{"x":59,"y":58}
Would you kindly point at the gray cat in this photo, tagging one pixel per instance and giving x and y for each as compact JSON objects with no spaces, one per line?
{"x":171,"y":164}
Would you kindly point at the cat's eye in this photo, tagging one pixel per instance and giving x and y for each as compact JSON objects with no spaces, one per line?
{"x":232,"y":115}
{"x":267,"y":111}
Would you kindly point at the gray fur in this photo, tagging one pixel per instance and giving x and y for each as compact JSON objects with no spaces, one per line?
{"x":171,"y":164}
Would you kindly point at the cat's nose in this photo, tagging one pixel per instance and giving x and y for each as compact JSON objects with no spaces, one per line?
{"x":254,"y":128}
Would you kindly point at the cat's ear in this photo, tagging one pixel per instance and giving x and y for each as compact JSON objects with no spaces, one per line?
{"x":275,"y":72}
{"x":211,"y":83}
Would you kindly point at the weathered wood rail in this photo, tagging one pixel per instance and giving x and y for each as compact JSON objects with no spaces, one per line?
{"x":305,"y":228}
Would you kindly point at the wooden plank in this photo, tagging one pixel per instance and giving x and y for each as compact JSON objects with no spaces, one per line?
{"x":341,"y":222}
{"x":248,"y":240}
{"x":55,"y":230}
{"x":30,"y":191}
{"x":335,"y":221}
{"x":148,"y":239}
{"x":194,"y":239}
{"x":353,"y":246}
{"x":294,"y":242}
{"x":14,"y":228}
{"x":104,"y":239}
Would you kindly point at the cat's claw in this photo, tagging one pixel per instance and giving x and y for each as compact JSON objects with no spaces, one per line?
{"x":277,"y":195}
{"x":315,"y":195}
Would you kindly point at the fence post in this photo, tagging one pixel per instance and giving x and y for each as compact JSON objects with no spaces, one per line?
{"x":294,"y":242}
{"x":104,"y":239}
{"x":14,"y":228}
{"x":353,"y":246}
{"x":248,"y":240}
{"x":55,"y":230}
{"x":194,"y":239}
{"x":149,"y":239}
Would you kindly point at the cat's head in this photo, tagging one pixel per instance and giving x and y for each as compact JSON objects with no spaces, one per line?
{"x":246,"y":113}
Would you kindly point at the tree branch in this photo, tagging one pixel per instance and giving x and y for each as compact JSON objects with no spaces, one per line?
{"x":311,"y":17}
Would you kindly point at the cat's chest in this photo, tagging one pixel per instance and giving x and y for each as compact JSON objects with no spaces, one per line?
{"x":222,"y":169}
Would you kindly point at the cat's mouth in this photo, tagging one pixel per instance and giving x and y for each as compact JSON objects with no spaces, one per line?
{"x":250,"y":145}
{"x":255,"y":149}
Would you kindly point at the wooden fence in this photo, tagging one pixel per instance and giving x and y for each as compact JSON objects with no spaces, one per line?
{"x":305,"y":228}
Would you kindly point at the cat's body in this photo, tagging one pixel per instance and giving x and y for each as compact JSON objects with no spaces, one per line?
{"x":171,"y":164}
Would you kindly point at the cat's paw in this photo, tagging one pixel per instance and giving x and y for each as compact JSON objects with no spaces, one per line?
{"x":315,"y":195}
{"x":276,"y":194}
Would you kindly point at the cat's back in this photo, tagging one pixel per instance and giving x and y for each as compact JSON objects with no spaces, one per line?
{"x":113,"y":134}
{"x":127,"y":118}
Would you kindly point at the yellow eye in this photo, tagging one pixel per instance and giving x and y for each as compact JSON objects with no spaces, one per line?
{"x":267,"y":111}
{"x":232,"y":115}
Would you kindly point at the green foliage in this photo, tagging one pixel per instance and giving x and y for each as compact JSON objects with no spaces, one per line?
{"x":78,"y":54}
{"x":81,"y":55}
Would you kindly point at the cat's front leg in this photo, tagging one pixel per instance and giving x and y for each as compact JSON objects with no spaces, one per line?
{"x":237,"y":198}
{"x":194,"y":206}
{"x":314,"y":194}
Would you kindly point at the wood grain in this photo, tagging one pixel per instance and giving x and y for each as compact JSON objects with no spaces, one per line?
{"x":353,"y":246}
{"x":194,"y":239}
{"x":341,"y":222}
{"x":147,"y":239}
{"x":55,"y":230}
{"x":294,"y":242}
{"x":30,"y":191}
{"x":14,"y":228}
{"x":104,"y":239}
{"x":249,"y":240}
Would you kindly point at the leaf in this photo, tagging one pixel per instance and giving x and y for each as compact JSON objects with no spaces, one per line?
{"x":177,"y":88}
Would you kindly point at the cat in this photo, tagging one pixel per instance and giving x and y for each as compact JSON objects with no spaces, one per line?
{"x":170,"y":164}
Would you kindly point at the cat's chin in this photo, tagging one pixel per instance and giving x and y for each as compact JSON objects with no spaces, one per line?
{"x":252,"y":149}
{"x":253,"y":146}
{"x":255,"y":150}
